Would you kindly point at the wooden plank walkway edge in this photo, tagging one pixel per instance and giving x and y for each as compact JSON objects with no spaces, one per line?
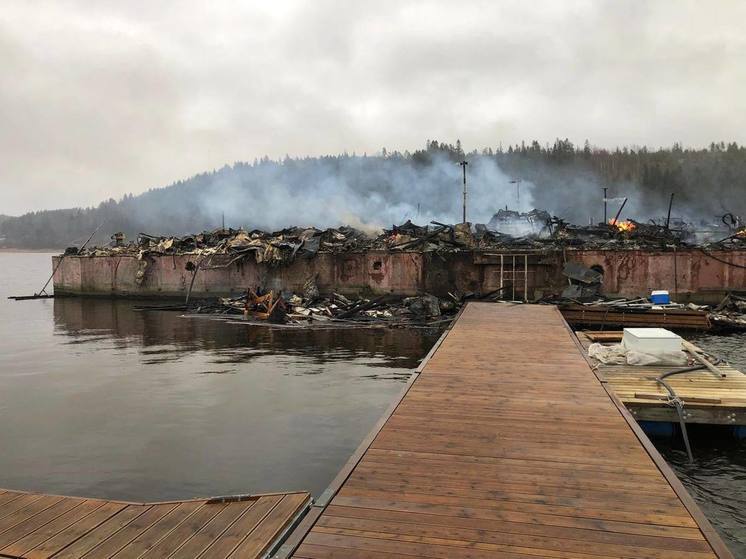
{"x":413,"y":486}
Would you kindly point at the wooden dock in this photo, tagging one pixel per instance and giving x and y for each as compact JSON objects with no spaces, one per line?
{"x":707,"y":399}
{"x":507,"y":445}
{"x":42,"y":526}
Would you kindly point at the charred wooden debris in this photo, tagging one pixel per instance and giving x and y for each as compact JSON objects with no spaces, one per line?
{"x":582,"y":304}
{"x":508,"y":230}
{"x":312,"y":309}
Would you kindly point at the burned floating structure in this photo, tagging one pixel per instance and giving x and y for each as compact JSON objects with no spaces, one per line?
{"x":630,"y":258}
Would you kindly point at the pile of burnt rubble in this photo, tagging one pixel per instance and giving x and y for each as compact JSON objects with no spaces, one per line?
{"x":310,"y":308}
{"x":584,"y":285}
{"x":535,"y":230}
{"x":730,"y":313}
{"x":728,"y":316}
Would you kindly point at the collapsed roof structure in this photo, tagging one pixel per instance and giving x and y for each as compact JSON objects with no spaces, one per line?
{"x":535,"y":230}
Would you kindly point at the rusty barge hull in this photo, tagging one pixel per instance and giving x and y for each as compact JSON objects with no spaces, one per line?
{"x":689,"y":274}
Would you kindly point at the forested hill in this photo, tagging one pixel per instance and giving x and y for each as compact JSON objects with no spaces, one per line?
{"x":390,"y":187}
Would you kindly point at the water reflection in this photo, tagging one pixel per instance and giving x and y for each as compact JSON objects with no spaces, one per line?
{"x":164,"y":336}
{"x":99,"y":399}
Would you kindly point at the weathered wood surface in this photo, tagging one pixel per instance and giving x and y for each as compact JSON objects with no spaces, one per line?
{"x":508,"y":446}
{"x":709,"y":399}
{"x":45,"y":526}
{"x":680,"y":319}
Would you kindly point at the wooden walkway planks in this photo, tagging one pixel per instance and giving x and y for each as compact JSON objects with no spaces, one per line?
{"x":47,"y":526}
{"x":508,"y":446}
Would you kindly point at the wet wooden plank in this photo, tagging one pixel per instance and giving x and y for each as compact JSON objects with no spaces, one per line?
{"x":507,"y":445}
{"x":212,"y":531}
{"x":23,"y":508}
{"x":148,"y":539}
{"x":101,"y":532}
{"x":76,"y":513}
{"x":263,"y":535}
{"x":242,"y":528}
{"x":181,"y":533}
{"x":117,"y":541}
{"x":75,"y":531}
{"x":36,"y":526}
{"x":8,"y":496}
{"x":38,"y":519}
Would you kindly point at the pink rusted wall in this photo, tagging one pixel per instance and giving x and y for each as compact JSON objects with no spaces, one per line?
{"x":167,"y":276}
{"x":691,"y":273}
{"x":628,"y":273}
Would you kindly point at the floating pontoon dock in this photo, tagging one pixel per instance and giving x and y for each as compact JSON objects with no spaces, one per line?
{"x":42,"y":526}
{"x":707,"y":398}
{"x":507,"y":445}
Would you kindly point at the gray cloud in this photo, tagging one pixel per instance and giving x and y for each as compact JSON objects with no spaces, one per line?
{"x":98,"y":99}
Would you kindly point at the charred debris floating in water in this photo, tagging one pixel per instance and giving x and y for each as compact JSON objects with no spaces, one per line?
{"x":311,"y":309}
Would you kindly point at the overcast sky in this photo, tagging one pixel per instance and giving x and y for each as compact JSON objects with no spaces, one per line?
{"x":101,"y":98}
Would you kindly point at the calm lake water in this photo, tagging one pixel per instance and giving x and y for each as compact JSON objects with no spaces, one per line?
{"x":97,"y":399}
{"x":717,"y":478}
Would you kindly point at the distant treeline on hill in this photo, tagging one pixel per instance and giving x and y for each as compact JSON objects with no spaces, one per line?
{"x":389,"y":187}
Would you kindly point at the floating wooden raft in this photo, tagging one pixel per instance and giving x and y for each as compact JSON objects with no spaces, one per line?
{"x":707,"y":398}
{"x":33,"y":525}
{"x":598,"y":315}
{"x":507,"y":445}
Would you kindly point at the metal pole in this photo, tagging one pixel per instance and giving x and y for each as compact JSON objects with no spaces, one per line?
{"x":463,"y":165}
{"x":513,"y":282}
{"x":605,"y":202}
{"x":502,"y":274}
{"x":675,"y":276}
{"x":668,"y":217}
{"x":619,"y":212}
{"x":44,"y":289}
{"x":525,"y":278}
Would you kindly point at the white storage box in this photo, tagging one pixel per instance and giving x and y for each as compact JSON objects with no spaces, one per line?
{"x":655,"y":341}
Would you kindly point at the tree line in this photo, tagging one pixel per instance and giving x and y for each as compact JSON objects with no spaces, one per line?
{"x":566,"y":178}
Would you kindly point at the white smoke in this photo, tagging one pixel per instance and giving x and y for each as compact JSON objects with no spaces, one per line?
{"x":368,"y":193}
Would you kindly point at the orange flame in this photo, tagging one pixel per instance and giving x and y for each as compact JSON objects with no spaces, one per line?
{"x":623,"y":226}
